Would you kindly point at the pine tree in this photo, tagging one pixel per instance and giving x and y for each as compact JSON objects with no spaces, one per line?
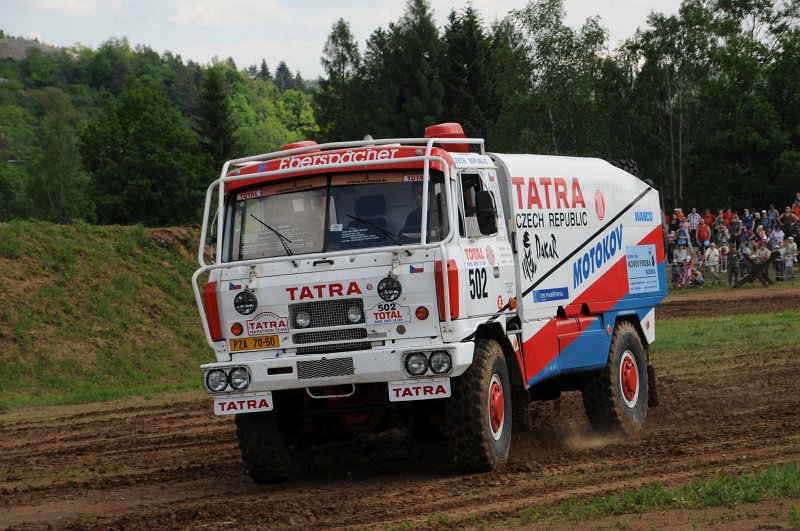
{"x":263,"y":72}
{"x":283,"y":77}
{"x":467,"y":74}
{"x":341,"y":60}
{"x":217,"y":128}
{"x":417,"y":68}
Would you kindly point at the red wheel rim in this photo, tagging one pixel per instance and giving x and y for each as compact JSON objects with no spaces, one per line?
{"x":629,"y":379}
{"x":497,"y":406}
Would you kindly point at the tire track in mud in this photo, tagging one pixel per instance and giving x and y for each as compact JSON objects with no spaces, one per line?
{"x":178,"y":465}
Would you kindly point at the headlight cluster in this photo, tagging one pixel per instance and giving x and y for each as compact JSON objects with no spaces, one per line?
{"x":218,"y":380}
{"x":419,"y":363}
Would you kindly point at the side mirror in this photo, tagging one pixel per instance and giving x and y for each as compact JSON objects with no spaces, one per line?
{"x":486,"y":212}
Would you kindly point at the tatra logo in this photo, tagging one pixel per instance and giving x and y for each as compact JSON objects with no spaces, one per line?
{"x":547,"y":192}
{"x":419,"y":390}
{"x":267,"y":323}
{"x":317,"y":291}
{"x":242,"y":405}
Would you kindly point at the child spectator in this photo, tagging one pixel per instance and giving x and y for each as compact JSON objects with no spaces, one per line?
{"x":788,"y":258}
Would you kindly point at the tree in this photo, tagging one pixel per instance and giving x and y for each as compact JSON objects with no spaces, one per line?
{"x":217,"y":126}
{"x":467,"y":73}
{"x":263,"y":72}
{"x":283,"y":77}
{"x":58,"y":188}
{"x":145,"y":162}
{"x":417,"y":64}
{"x":334,"y":102}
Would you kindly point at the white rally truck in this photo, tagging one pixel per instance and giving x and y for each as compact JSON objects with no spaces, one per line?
{"x":423,"y":283}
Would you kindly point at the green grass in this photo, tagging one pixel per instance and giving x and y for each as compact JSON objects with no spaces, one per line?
{"x":698,"y":340}
{"x":720,"y":491}
{"x":90,"y":313}
{"x":794,"y":517}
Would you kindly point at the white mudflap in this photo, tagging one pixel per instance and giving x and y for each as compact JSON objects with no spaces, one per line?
{"x":248,"y":403}
{"x":423,"y":389}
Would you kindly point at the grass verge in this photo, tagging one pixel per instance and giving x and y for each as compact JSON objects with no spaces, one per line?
{"x":721,"y":491}
{"x":690,"y":341}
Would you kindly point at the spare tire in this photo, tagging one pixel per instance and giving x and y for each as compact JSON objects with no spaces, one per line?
{"x":628,"y":165}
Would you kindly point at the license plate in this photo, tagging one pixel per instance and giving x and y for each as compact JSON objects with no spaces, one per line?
{"x":255,"y":343}
{"x":426,"y":389}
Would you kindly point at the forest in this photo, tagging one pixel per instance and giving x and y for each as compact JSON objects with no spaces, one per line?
{"x":707,"y":101}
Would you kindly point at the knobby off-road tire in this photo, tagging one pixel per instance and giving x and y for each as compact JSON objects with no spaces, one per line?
{"x":269,"y":454}
{"x":628,"y":165}
{"x":616,"y":397}
{"x":479,"y":412}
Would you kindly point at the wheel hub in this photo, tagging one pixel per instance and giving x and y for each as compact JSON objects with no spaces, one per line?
{"x":497,"y":406}
{"x":629,"y":379}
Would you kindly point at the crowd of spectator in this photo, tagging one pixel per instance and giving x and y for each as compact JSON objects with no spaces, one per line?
{"x":702,"y":247}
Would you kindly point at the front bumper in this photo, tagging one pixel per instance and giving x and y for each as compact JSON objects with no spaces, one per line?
{"x":356,"y":367}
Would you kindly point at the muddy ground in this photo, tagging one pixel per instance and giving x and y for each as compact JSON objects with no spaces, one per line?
{"x":172,"y":464}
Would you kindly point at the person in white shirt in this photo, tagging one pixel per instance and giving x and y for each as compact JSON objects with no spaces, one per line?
{"x":712,"y":261}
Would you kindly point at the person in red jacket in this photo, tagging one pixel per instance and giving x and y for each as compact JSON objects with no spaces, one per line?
{"x":703,"y":234}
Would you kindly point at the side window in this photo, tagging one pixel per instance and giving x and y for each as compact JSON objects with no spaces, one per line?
{"x":468,"y":220}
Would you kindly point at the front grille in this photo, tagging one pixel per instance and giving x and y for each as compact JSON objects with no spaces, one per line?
{"x":309,"y":369}
{"x":327,"y":313}
{"x":346,"y":334}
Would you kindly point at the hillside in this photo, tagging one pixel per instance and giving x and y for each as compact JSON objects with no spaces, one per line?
{"x":95,"y":312}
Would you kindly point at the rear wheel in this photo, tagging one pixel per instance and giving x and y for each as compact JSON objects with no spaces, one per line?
{"x":270,"y":450}
{"x":616,"y":397}
{"x":479,"y":412}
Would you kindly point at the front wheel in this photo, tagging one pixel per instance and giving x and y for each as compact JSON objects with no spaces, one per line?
{"x":270,"y":451}
{"x":616,"y":397}
{"x":479,"y":412}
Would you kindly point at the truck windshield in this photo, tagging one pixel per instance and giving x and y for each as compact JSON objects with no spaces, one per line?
{"x":337,"y":212}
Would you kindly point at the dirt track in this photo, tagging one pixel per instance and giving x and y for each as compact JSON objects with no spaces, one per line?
{"x":162,"y":465}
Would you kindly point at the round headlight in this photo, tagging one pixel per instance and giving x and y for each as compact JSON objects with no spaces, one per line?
{"x":216,"y":380}
{"x":245,"y":302}
{"x":389,"y":289}
{"x":354,"y":314}
{"x":239,"y":378}
{"x":441,"y":362}
{"x":303,"y":319}
{"x":416,"y":364}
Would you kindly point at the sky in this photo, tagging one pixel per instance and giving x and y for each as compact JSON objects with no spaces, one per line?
{"x":293,"y":31}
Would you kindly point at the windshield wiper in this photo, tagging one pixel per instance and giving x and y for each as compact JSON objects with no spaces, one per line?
{"x":394,"y":237}
{"x":283,"y":239}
